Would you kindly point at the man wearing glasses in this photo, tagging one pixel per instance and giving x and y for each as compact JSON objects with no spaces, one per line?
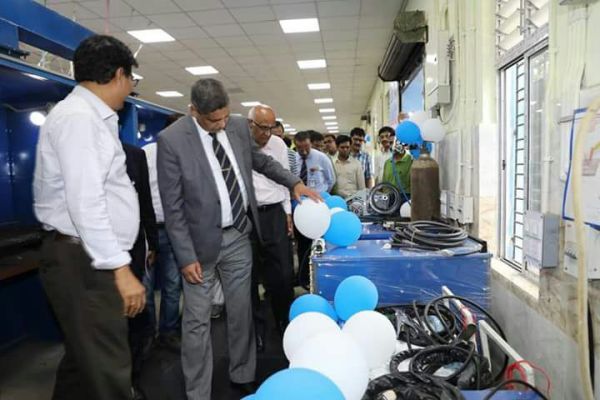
{"x":272,"y":256}
{"x":358,"y":138}
{"x":384,"y":153}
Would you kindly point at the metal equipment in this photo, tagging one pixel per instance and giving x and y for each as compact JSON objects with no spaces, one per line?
{"x":425,"y":188}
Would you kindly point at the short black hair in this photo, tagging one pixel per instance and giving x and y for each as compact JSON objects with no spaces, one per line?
{"x":316,"y":136}
{"x":302,"y":136}
{"x":278,"y":124}
{"x":209,"y":95}
{"x":98,"y":58}
{"x":387,"y":129}
{"x":287,"y":141}
{"x":357,"y":132}
{"x":331,"y":135}
{"x":342,"y":139}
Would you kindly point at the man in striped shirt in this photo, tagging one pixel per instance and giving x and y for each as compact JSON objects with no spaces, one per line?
{"x":278,"y":131}
{"x":358,"y":138}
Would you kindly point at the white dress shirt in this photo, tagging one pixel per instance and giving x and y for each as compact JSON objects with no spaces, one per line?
{"x":207,"y":143}
{"x":151,"y":153}
{"x":267,"y":191}
{"x":379,"y":161}
{"x":80,"y":184}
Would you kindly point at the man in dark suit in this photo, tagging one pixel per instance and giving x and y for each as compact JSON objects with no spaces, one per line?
{"x":205,"y":164}
{"x":142,"y":256}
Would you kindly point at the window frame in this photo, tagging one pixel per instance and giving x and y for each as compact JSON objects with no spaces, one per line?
{"x":524,"y":51}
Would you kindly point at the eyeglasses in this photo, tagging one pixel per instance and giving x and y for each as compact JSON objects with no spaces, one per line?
{"x":265,"y":129}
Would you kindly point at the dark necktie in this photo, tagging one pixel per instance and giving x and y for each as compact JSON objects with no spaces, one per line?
{"x":233,"y":187}
{"x":303,"y":171}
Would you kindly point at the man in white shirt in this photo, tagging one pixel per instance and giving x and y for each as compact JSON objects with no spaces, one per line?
{"x":272,"y":257}
{"x":84,"y":198}
{"x":384,"y":153}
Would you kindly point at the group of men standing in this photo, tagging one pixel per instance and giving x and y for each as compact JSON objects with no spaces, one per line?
{"x":213,"y":214}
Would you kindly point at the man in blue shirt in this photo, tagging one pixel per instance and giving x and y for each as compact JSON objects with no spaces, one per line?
{"x":316,"y":171}
{"x":314,"y":167}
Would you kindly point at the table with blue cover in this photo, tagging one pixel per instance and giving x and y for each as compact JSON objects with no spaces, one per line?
{"x":402,"y":276}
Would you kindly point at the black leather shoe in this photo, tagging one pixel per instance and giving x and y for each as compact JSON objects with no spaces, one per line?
{"x":260,"y":343}
{"x":246,"y":388}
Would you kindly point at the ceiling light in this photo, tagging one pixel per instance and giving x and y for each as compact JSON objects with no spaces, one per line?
{"x":311,"y":64}
{"x":324,"y":100}
{"x":169,"y":93}
{"x":326,"y":117}
{"x":279,"y":119}
{"x":331,"y":123}
{"x":37,"y":118}
{"x":333,"y":131}
{"x":202,"y":70}
{"x":251,"y":103}
{"x":287,"y":126}
{"x":319,"y":86}
{"x":326,"y":110}
{"x":152,"y":36}
{"x":299,"y":25}
{"x":236,"y":115}
{"x":136,"y":76}
{"x":34,"y":76}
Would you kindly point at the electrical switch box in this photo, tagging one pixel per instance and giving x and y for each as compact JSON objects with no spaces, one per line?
{"x":541,"y":239}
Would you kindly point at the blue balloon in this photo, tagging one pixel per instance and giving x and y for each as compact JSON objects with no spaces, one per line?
{"x":345,"y":228}
{"x":415,"y":153}
{"x":251,"y":397}
{"x":408,"y":132}
{"x":298,"y":384}
{"x":314,"y":303}
{"x":325,"y":195}
{"x":336,"y":201}
{"x":355,"y":294}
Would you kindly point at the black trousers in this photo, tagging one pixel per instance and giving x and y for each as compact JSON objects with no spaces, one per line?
{"x":89,"y":309}
{"x":303,"y":245}
{"x":272,"y":263}
{"x":140,"y":326}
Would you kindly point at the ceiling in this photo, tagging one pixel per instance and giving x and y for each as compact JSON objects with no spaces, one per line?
{"x":256,"y":60}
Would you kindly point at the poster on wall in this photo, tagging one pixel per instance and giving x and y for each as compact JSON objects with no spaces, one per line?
{"x":591,"y":172}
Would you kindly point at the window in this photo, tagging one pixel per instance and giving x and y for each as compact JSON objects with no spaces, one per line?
{"x":522,"y":123}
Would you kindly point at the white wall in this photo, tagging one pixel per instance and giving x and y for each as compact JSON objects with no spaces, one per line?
{"x":541,"y":328}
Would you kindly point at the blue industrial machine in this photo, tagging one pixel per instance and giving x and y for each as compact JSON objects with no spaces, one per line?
{"x":26,"y":94}
{"x":402,"y":276}
{"x":374,"y":231}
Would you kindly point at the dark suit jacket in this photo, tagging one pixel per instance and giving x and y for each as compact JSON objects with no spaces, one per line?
{"x":137,"y":169}
{"x":189,"y":193}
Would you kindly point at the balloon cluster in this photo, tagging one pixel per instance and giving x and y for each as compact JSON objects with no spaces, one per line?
{"x":329,"y":219}
{"x":418,"y":129}
{"x":328,"y":362}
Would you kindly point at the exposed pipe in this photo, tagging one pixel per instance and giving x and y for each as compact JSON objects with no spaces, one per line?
{"x":583,"y":340}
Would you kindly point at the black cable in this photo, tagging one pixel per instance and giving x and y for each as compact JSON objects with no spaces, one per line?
{"x":518,"y":381}
{"x":407,"y":386}
{"x":428,"y":235}
{"x":480,"y":309}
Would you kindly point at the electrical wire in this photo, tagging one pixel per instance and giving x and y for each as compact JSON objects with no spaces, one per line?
{"x":390,"y":209}
{"x":428,"y":235}
{"x":516,"y":366}
{"x":407,"y":386}
{"x":511,"y":381}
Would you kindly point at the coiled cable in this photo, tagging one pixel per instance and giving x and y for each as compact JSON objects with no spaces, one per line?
{"x":393,"y":192}
{"x":428,"y":235}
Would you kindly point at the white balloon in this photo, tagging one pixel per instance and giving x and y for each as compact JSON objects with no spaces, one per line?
{"x":432,"y":130}
{"x":312,"y":218}
{"x":335,"y":210}
{"x":405,"y":210}
{"x":338,"y":357}
{"x":375,"y":336}
{"x":419,"y":117}
{"x":304,"y":327}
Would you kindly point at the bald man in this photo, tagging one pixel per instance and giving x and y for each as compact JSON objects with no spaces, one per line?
{"x":272,"y":256}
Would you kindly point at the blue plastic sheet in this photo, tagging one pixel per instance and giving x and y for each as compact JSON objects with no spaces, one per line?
{"x":374,"y":231}
{"x":501,"y":395}
{"x":402,"y":276}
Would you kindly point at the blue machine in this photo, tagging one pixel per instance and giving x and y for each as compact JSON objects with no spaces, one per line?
{"x":501,"y":395}
{"x":403,"y":276}
{"x":24,"y":89}
{"x":374,"y":231}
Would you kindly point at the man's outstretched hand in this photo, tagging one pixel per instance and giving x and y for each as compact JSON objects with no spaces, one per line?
{"x":302,"y":190}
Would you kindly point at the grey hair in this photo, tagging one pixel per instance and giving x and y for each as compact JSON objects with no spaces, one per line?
{"x":252,"y":112}
{"x":209,"y":95}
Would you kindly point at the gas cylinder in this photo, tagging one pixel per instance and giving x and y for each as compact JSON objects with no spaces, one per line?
{"x":425,"y":188}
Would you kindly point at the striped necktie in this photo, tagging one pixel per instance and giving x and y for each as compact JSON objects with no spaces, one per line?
{"x":303,"y":170}
{"x":233,"y":188}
